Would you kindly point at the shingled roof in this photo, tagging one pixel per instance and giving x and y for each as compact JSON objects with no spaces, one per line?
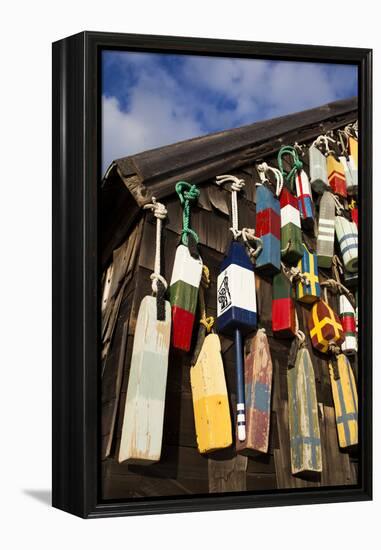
{"x":130,"y":182}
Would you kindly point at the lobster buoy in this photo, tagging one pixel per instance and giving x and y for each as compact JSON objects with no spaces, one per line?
{"x":347,"y":237}
{"x":326,"y":230}
{"x":345,"y":400}
{"x":348,"y":321}
{"x":336,"y":176}
{"x":304,"y":195}
{"x":268,"y":229}
{"x":283,"y":307}
{"x":309,"y":291}
{"x":291,"y":233}
{"x":318,"y":170}
{"x":325,"y":327}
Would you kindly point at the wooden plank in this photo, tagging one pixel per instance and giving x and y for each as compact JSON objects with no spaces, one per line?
{"x":227,"y":476}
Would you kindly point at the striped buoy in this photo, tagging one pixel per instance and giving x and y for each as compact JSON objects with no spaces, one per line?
{"x":318,"y":170}
{"x":236,"y":299}
{"x":326,"y":230}
{"x":304,"y":195}
{"x":258,"y":381}
{"x":268,"y":229}
{"x":336,"y":176}
{"x":308,"y":287}
{"x":348,"y":322}
{"x":347,"y":237}
{"x":344,"y":393}
{"x":186,"y":275}
{"x":305,"y":443}
{"x":350,"y":172}
{"x":283,"y":307}
{"x":325,"y":327}
{"x":291,"y":233}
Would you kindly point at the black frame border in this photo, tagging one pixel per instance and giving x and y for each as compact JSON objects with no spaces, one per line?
{"x":75,"y":179}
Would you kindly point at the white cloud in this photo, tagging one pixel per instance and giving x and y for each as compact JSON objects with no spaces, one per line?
{"x":205,"y":94}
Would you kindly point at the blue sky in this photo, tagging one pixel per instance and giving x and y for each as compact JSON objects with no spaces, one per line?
{"x":149,"y":100}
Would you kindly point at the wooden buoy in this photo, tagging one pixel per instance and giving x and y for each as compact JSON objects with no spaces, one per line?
{"x":308,"y":288}
{"x":336,"y":176}
{"x":258,"y":381}
{"x":348,"y":322}
{"x":291,"y":233}
{"x":325,"y":327}
{"x":304,"y":195}
{"x":268,"y":229}
{"x":142,"y":428}
{"x":186,"y":274}
{"x":326,"y":230}
{"x":305,"y":444}
{"x":353,"y":149}
{"x":143,"y":417}
{"x":183,"y":290}
{"x":318,"y":170}
{"x":210,"y":398}
{"x":236,"y":299}
{"x":347,"y":237}
{"x":345,"y":401}
{"x":350,"y":172}
{"x":283,"y":307}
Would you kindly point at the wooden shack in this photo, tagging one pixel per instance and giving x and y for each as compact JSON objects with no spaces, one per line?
{"x":127,"y":250}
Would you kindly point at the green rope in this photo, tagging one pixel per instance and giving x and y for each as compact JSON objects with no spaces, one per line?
{"x":297,"y":163}
{"x":187,"y":193}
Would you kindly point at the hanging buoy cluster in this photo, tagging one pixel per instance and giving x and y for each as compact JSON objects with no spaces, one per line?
{"x":305,"y":242}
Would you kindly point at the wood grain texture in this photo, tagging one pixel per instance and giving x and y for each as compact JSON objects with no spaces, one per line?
{"x":142,"y":428}
{"x":210,"y":399}
{"x":258,"y":382}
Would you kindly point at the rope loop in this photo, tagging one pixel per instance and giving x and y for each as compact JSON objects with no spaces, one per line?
{"x":248,"y":235}
{"x":236,"y":185}
{"x":160,"y":212}
{"x":262,"y":171}
{"x":297,"y":164}
{"x":208,"y":323}
{"x":187,"y":193}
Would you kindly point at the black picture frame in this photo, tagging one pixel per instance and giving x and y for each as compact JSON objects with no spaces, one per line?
{"x":76,"y":177}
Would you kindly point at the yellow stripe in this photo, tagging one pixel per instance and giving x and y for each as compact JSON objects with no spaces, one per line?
{"x":319,"y":325}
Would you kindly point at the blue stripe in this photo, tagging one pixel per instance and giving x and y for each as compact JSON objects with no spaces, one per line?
{"x":297,"y":449}
{"x":262,"y":397}
{"x":270,"y":254}
{"x":309,"y":390}
{"x":237,"y":255}
{"x":348,"y":236}
{"x":308,"y":208}
{"x":349,"y":247}
{"x":347,"y":417}
{"x":236,"y":317}
{"x":343,"y":418}
{"x":265,"y":199}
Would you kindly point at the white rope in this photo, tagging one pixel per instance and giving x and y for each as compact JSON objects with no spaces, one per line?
{"x":249,"y":235}
{"x":338,"y":205}
{"x":298,"y":333}
{"x":236,"y":186}
{"x":324,"y":139}
{"x":262,"y":171}
{"x":160,"y":213}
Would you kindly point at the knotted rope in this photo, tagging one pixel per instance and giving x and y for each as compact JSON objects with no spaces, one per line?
{"x":324,"y":140}
{"x":294,"y":274}
{"x":187,"y":194}
{"x":159,"y":284}
{"x":263,"y":169}
{"x":248,"y":235}
{"x":297,"y":164}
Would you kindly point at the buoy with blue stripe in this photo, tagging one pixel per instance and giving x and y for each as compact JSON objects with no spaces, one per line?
{"x":236,"y":300}
{"x":268,"y":220}
{"x":347,"y":237}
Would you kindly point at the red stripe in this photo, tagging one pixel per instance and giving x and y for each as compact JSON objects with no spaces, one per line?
{"x":283,"y":317}
{"x":182,"y":327}
{"x":338,"y":185}
{"x":268,"y":222}
{"x":287,"y":198}
{"x":348,"y":323}
{"x":301,"y":195}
